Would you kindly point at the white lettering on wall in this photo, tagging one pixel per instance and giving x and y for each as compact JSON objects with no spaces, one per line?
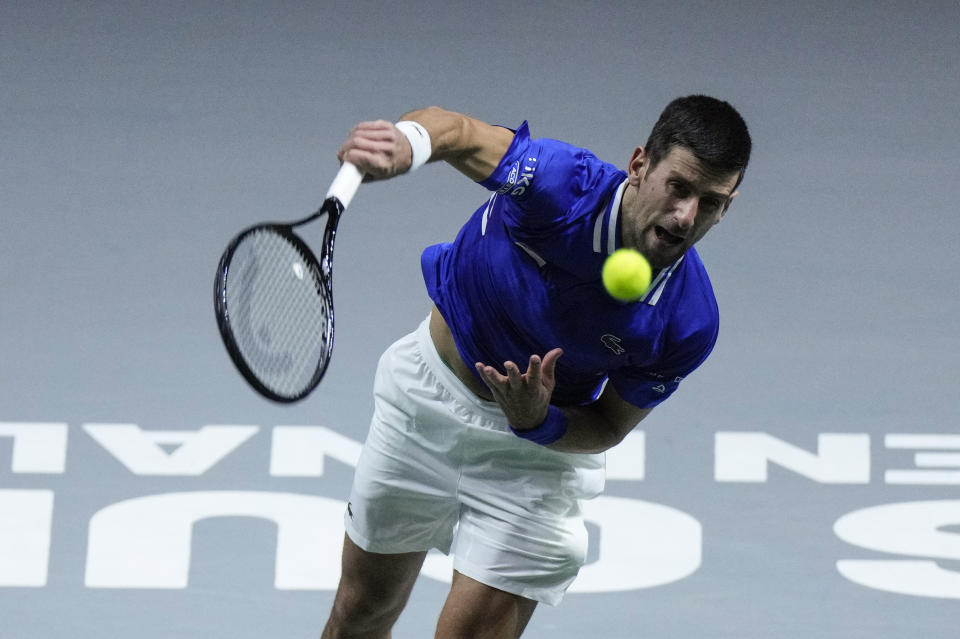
{"x":38,"y":447}
{"x":642,"y":545}
{"x":145,"y":542}
{"x":197,"y":450}
{"x":911,"y":529}
{"x":627,"y":460}
{"x":929,"y":461}
{"x":25,"y":524}
{"x":841,"y":458}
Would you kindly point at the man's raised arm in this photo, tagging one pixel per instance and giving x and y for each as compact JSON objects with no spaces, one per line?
{"x":381,"y":150}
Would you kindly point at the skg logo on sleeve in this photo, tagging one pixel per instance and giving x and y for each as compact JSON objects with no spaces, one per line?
{"x":511,"y":179}
{"x":517,"y":182}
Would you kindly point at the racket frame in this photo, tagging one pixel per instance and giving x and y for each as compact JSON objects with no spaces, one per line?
{"x":322,"y":274}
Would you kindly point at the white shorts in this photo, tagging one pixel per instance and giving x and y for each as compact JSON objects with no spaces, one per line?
{"x":441,"y":469}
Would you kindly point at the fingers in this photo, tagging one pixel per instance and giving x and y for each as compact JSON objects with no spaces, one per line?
{"x":514,"y":376}
{"x":549,"y":365}
{"x":524,"y":397}
{"x":538,"y":371}
{"x":490,"y":376}
{"x":533,"y":370}
{"x":377,"y":149}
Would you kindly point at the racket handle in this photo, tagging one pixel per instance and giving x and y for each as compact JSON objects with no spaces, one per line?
{"x":345,"y":184}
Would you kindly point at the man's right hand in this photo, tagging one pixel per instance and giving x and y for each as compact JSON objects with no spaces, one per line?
{"x":378,"y":149}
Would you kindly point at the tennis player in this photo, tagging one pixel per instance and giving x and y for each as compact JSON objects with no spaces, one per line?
{"x":491,"y":418}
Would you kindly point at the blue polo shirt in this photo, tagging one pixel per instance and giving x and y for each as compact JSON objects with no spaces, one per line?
{"x":523,"y":277}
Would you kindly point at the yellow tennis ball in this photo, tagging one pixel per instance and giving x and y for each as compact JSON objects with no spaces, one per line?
{"x":626,"y":275}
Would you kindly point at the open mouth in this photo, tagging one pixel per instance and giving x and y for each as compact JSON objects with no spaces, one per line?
{"x":667,"y":237}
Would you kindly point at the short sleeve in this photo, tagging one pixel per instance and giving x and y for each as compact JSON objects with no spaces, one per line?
{"x":646,"y":388}
{"x":544,"y":178}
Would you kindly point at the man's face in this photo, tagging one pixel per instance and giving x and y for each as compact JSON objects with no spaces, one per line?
{"x":668,"y":209}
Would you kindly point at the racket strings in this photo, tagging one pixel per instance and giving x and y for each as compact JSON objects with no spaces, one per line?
{"x":285,"y":316}
{"x":279,"y":312}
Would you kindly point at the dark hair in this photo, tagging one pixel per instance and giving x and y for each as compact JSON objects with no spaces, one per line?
{"x":710,"y":128}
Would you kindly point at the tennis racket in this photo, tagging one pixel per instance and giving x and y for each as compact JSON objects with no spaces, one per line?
{"x":274,"y":300}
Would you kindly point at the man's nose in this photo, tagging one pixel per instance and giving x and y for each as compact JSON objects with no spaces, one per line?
{"x":687,"y":213}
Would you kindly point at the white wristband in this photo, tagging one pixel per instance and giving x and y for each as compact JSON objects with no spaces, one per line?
{"x":419,"y":141}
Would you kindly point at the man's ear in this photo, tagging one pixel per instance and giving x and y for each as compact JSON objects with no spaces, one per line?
{"x":638,"y":165}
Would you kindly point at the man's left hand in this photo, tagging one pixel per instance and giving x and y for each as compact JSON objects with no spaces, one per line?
{"x":524,"y":397}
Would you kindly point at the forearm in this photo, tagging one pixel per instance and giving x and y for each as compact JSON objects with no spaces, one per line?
{"x":525,"y":400}
{"x":471,"y":146}
{"x":380,"y":150}
{"x":589,"y":431}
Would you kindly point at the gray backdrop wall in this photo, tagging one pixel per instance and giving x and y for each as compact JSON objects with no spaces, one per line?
{"x":137,"y":137}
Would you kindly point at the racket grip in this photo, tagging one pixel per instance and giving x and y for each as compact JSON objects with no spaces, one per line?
{"x":345,"y":184}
